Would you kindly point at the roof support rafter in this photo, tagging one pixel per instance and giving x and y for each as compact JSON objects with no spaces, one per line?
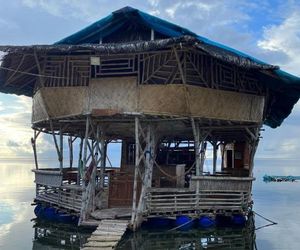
{"x":16,"y":70}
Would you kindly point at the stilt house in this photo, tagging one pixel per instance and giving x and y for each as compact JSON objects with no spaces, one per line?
{"x":168,"y":95}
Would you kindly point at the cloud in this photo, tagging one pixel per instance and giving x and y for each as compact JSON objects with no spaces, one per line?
{"x":15,"y":130}
{"x":77,"y":9}
{"x":10,"y":143}
{"x":280,"y":144}
{"x":224,"y":21}
{"x":284,"y":38}
{"x":1,"y":106}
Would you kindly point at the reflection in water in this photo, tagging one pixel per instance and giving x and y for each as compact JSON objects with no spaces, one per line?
{"x":217,"y":238}
{"x":58,"y":236}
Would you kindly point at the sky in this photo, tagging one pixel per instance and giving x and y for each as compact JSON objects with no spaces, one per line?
{"x":266,"y":29}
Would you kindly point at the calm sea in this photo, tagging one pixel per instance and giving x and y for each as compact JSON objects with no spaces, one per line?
{"x":279,"y":202}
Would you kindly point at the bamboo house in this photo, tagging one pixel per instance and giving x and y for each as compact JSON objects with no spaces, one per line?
{"x":167,"y":95}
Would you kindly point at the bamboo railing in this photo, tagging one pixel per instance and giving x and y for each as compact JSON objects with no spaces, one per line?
{"x":173,"y":200}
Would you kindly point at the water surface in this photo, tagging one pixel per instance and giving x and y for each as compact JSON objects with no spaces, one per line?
{"x":279,"y":202}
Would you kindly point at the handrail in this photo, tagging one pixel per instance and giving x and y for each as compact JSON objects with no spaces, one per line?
{"x":178,"y":200}
{"x":46,"y":172}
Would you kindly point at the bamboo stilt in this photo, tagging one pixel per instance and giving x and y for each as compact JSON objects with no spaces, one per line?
{"x":71,"y":151}
{"x":85,"y":147}
{"x":79,"y":161}
{"x":33,"y":143}
{"x":133,"y":215}
{"x":215,"y":155}
{"x":61,"y":150}
{"x":195,"y":128}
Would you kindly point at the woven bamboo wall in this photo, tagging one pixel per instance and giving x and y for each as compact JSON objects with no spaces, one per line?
{"x":202,"y":102}
{"x":225,"y":105}
{"x":59,"y":102}
{"x":39,"y":111}
{"x":118,"y":95}
{"x":162,"y":99}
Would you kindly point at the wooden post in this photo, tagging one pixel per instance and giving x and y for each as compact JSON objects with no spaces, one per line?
{"x":195,"y":128}
{"x":105,"y":154}
{"x":85,"y":147}
{"x":102,"y":142}
{"x":137,"y":156}
{"x":41,"y":78}
{"x":147,"y":177}
{"x":85,"y":191}
{"x":100,"y":136}
{"x":79,"y":161}
{"x":71,"y":151}
{"x":61,"y":149}
{"x":33,"y":143}
{"x":202,"y":154}
{"x":152,"y":156}
{"x":59,"y":153}
{"x":215,"y":152}
{"x":254,"y":144}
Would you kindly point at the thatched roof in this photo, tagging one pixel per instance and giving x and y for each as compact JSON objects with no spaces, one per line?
{"x":128,"y":30}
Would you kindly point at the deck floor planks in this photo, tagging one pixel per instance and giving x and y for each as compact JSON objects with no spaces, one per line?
{"x":107,"y":235}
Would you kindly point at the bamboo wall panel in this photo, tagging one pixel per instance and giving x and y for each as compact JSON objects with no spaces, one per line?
{"x":202,"y":102}
{"x":162,"y":99}
{"x":62,"y":101}
{"x":225,"y":105}
{"x":116,"y":93}
{"x":122,"y":94}
{"x":221,"y":183}
{"x":39,"y":111}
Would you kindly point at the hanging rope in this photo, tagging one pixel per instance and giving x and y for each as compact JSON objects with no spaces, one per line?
{"x":172,"y":176}
{"x":31,"y":74}
{"x":184,"y":224}
{"x":267,"y":225}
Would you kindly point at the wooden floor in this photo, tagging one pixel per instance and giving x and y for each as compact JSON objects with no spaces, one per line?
{"x":107,"y":235}
{"x":112,"y":213}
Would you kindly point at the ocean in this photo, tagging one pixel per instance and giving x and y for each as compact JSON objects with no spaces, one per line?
{"x":279,"y":202}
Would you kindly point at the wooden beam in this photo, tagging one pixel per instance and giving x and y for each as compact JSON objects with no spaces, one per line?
{"x":134,"y":203}
{"x":61,"y":139}
{"x":85,"y":147}
{"x":253,"y":136}
{"x":195,"y":128}
{"x":7,"y":82}
{"x":254,"y":145}
{"x":70,"y":141}
{"x":55,"y":141}
{"x":100,"y":135}
{"x":39,"y":69}
{"x":80,"y":165}
{"x":33,"y":143}
{"x":215,"y":152}
{"x":179,"y":66}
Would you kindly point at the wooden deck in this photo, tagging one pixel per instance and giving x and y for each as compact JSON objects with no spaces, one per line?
{"x":107,"y":235}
